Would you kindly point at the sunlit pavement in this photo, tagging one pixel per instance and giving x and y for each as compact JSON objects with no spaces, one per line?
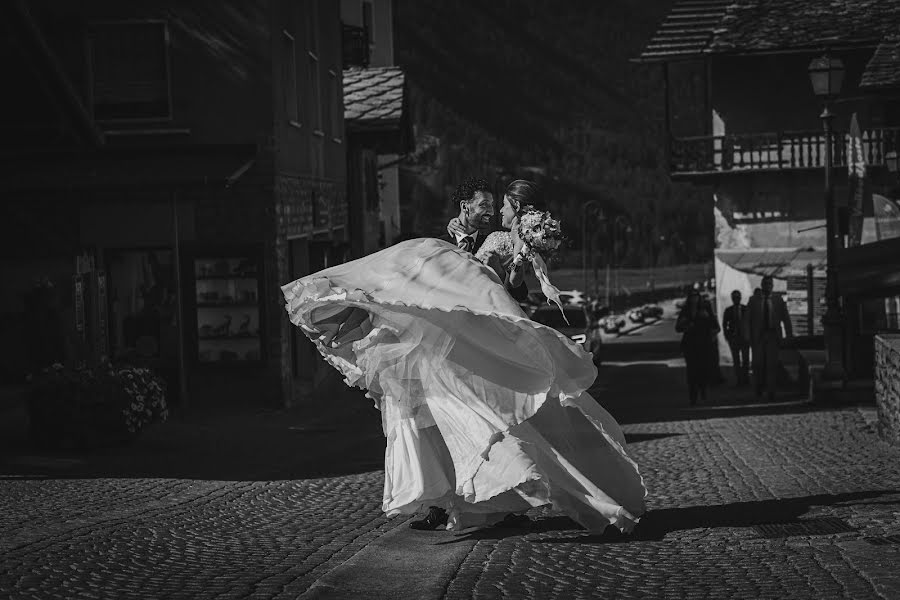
{"x":746,"y":500}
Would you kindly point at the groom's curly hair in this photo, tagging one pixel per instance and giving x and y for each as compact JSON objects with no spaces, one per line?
{"x":467,"y":189}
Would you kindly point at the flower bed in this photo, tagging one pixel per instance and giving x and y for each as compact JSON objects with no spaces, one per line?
{"x":99,"y":406}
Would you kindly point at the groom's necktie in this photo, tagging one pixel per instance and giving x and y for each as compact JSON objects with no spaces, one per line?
{"x":466,"y":243}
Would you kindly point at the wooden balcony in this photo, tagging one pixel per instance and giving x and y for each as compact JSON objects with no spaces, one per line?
{"x":711,"y":155}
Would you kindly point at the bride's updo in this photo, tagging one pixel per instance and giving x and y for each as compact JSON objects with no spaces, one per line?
{"x":523,"y":193}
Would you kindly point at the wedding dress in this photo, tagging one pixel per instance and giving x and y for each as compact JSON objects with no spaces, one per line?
{"x":484,"y":411}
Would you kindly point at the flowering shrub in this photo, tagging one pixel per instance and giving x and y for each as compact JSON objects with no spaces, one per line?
{"x":540,"y":232}
{"x":147,"y":394}
{"x":94,"y":405}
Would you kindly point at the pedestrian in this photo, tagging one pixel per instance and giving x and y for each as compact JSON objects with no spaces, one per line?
{"x":698,"y":325}
{"x":716,"y":377}
{"x":733,"y":328}
{"x":763,"y":321}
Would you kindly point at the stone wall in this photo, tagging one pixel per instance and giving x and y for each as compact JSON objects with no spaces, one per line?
{"x":887,"y":386}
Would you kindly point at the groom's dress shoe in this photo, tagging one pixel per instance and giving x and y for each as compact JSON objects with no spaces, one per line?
{"x":514,"y":521}
{"x":437,"y":517}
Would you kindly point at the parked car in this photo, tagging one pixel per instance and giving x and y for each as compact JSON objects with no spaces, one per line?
{"x":576,"y":329}
{"x":613,"y":323}
{"x":652,"y":311}
{"x":636,"y":315}
{"x":573,"y":297}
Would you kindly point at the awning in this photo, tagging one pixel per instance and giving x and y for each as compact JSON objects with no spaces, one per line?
{"x":123,"y":167}
{"x":777,"y":262}
{"x":870,"y":269}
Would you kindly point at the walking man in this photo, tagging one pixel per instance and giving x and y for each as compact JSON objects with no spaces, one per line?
{"x":764,"y":319}
{"x":733,"y":329}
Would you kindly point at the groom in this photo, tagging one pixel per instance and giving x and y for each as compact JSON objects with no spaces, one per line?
{"x":471,"y":227}
{"x":475,"y":201}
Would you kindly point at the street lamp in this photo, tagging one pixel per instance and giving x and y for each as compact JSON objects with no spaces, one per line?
{"x":826,"y":75}
{"x":584,"y":243}
{"x":616,"y":225}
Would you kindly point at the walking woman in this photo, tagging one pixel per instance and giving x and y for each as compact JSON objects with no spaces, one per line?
{"x":698,"y":325}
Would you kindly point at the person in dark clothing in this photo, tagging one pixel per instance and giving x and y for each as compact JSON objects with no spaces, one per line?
{"x":767,"y":326}
{"x":698,"y":325}
{"x":735,"y":335}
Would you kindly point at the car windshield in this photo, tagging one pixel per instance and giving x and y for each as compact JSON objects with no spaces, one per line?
{"x":551,"y":317}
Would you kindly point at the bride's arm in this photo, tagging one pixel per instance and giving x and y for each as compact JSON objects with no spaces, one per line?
{"x":516,"y":275}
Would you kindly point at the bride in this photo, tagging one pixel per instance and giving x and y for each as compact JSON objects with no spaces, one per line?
{"x":485,"y":412}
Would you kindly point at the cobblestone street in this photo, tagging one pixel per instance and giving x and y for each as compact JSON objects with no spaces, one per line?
{"x":767,"y":501}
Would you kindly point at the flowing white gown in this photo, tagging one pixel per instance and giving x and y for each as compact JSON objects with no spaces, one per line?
{"x":485,"y":411}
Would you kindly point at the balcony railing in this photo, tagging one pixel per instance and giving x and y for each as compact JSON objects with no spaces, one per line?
{"x":774,"y":151}
{"x":355,"y":42}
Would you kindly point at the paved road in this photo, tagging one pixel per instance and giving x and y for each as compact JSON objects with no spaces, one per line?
{"x":746,"y":501}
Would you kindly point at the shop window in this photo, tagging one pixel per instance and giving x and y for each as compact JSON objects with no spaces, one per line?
{"x":143,"y":318}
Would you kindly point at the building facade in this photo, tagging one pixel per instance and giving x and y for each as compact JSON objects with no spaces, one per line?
{"x":170,"y":165}
{"x":743,"y":122}
{"x":377,"y":122}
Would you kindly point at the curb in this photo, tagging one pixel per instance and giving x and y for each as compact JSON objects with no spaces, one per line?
{"x":402,"y":564}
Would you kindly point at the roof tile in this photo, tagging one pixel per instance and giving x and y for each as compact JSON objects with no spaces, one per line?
{"x":883,"y":70}
{"x":373,"y":96}
{"x":698,"y":27}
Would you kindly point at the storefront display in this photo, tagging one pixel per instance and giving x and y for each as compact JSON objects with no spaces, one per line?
{"x":228,"y":314}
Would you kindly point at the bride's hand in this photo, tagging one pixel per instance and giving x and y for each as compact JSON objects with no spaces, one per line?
{"x":348,"y":325}
{"x":518,"y":243}
{"x":455,"y":228}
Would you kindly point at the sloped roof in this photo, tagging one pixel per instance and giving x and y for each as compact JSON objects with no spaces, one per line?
{"x":702,"y":27}
{"x":766,"y":25}
{"x":687,"y":30}
{"x":373,"y":97}
{"x":883,"y":70}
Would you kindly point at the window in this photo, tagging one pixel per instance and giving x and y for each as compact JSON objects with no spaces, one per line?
{"x":289,"y":79}
{"x":315,"y":92}
{"x":315,"y":75}
{"x":129,"y":67}
{"x":335,"y":105}
{"x":312,"y":27}
{"x":368,"y":22}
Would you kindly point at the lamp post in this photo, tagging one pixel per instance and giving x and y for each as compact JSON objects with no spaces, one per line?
{"x":584,"y":243}
{"x":826,"y":75}
{"x":616,"y":225}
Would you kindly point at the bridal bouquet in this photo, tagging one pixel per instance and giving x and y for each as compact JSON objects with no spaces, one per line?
{"x":541,"y":233}
{"x":543,"y":236}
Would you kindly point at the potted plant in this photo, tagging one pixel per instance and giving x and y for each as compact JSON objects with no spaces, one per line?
{"x":96,"y":406}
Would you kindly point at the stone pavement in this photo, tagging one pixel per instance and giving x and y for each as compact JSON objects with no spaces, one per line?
{"x":769,"y":501}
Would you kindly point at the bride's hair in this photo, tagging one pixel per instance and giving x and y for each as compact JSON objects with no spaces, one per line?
{"x":523,"y":193}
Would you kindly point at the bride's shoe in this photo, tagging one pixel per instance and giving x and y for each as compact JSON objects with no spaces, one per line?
{"x":436,"y":518}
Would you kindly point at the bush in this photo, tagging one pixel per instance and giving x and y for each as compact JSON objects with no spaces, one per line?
{"x":96,"y":406}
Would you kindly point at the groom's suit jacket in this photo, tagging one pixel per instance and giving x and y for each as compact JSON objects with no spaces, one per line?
{"x":479,"y":239}
{"x":519,"y":293}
